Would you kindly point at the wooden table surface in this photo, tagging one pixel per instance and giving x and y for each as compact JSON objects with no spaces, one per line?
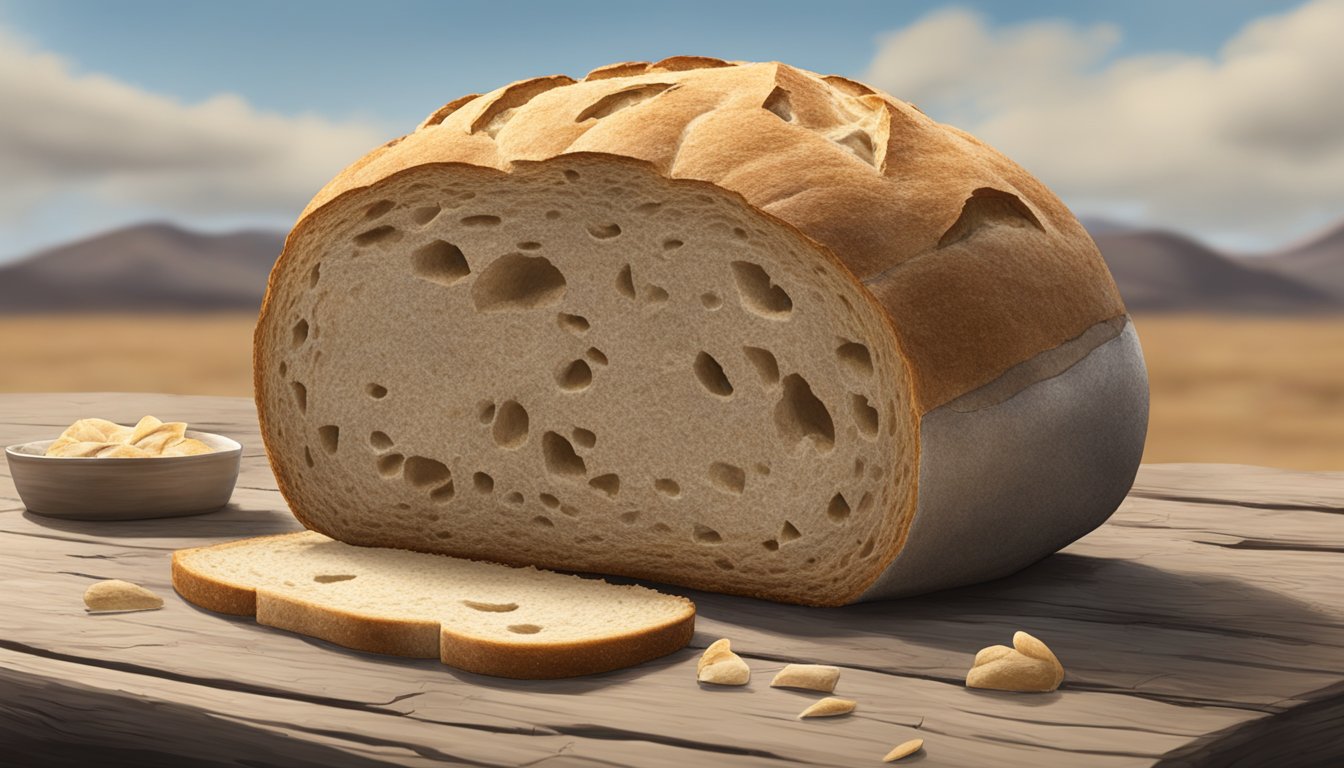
{"x":1203,"y":625}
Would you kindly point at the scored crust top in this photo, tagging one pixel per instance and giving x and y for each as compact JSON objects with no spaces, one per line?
{"x":978,"y":264}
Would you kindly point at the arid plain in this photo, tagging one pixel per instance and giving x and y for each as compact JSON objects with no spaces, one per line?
{"x":1242,"y":389}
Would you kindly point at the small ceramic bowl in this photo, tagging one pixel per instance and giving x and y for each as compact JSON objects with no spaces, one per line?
{"x":125,"y":489}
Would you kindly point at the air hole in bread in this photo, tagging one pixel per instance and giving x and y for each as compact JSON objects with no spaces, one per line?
{"x":529,"y":245}
{"x":711,"y":300}
{"x":480,"y":220}
{"x":513,"y":497}
{"x":711,"y":376}
{"x":859,"y":142}
{"x":858,"y":467}
{"x":515,"y":282}
{"x":865,"y":502}
{"x":647,"y":208}
{"x":300,"y":395}
{"x":511,"y":424}
{"x":380,"y":441}
{"x":575,"y":324}
{"x":625,"y":282}
{"x":771,"y":545}
{"x":330,"y":437}
{"x":672,"y":244}
{"x":609,"y":483}
{"x":379,"y":208}
{"x":300,"y":332}
{"x":855,"y":358}
{"x":867,"y":548}
{"x":789,"y":533}
{"x":485,"y":411}
{"x":727,"y":478}
{"x":560,"y":456}
{"x":308,"y":457}
{"x":865,"y":415}
{"x":779,"y":103}
{"x":762,"y":468}
{"x":655,"y":294}
{"x":490,"y":607}
{"x":439,"y":262}
{"x":584,"y":438}
{"x":524,"y":629}
{"x":422,"y":472}
{"x":739,"y":233}
{"x":763,"y":360}
{"x":483,"y":482}
{"x":838,"y":509}
{"x":622,"y":99}
{"x":661,"y":527}
{"x":569,"y":510}
{"x":376,"y":391}
{"x":425,"y":214}
{"x":575,"y":376}
{"x":725,"y":563}
{"x":553,"y":215}
{"x":284,"y":368}
{"x":571,"y":175}
{"x":759,"y":295}
{"x":331,"y":578}
{"x":667,"y":486}
{"x":314,"y":275}
{"x":442,"y":493}
{"x":705,"y":535}
{"x":378,"y":236}
{"x":543,"y":521}
{"x":390,"y":465}
{"x":596,"y":355}
{"x":604,"y":231}
{"x":549,"y":500}
{"x":629,"y":518}
{"x":800,"y":415}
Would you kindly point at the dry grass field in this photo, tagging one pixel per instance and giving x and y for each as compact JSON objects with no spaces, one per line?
{"x":1250,"y":390}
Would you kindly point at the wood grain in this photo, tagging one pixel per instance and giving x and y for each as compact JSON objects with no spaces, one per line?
{"x":1202,"y":626}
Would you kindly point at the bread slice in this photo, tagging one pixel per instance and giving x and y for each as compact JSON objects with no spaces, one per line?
{"x":734,"y":326}
{"x":480,"y":617}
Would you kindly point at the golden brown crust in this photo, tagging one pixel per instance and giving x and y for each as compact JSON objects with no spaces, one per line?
{"x":866,"y":175}
{"x":424,"y":639}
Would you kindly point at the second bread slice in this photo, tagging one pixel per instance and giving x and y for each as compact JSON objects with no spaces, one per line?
{"x":480,"y":617}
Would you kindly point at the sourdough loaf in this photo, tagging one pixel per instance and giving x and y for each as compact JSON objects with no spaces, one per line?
{"x":481,"y":617}
{"x":736,"y":326}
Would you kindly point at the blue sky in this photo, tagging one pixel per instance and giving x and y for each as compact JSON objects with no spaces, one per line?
{"x":114,"y":105}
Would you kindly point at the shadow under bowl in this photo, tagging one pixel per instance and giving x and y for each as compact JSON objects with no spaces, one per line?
{"x":125,"y":489}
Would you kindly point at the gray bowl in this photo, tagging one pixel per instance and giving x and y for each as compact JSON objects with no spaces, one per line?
{"x":125,"y":489}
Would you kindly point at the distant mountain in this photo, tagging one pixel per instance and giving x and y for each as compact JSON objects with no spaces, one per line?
{"x":147,"y":267}
{"x":158,"y":267}
{"x":1160,"y":270}
{"x":1318,"y":261}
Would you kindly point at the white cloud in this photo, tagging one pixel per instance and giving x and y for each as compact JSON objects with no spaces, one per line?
{"x":1245,"y":148}
{"x":94,"y":144}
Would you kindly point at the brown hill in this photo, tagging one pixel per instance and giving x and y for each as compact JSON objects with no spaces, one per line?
{"x":1318,"y":261}
{"x":147,"y":267}
{"x":1160,"y":270}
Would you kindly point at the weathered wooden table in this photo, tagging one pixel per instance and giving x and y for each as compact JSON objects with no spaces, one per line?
{"x":1203,"y":625}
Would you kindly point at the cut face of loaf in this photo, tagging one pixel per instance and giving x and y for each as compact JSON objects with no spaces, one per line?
{"x":481,"y":617}
{"x":584,"y":365}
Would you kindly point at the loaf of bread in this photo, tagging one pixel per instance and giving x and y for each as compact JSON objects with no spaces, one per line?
{"x":481,"y":617}
{"x":735,"y":326}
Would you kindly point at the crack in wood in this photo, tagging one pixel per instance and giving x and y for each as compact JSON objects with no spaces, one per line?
{"x":1276,"y":546}
{"x":1235,"y":503}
